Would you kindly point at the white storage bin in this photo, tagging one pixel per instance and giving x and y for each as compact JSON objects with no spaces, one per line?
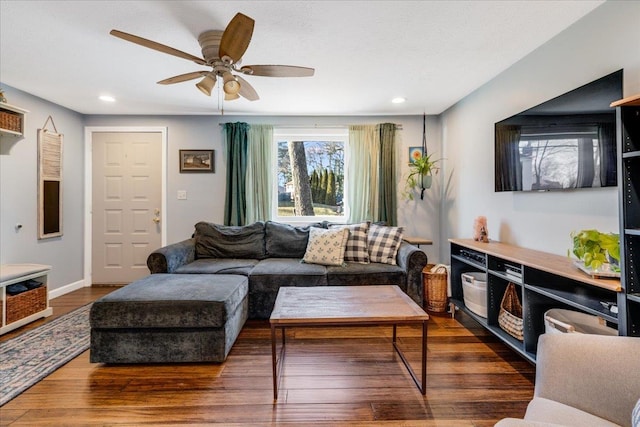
{"x":474,"y":291}
{"x":557,"y":321}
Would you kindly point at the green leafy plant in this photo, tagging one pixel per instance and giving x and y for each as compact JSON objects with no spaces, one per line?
{"x":595,"y":248}
{"x":420,"y":174}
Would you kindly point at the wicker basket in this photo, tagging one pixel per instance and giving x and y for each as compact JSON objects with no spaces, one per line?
{"x":435,"y":288}
{"x":10,"y":121}
{"x":26,"y":303}
{"x":510,"y":317}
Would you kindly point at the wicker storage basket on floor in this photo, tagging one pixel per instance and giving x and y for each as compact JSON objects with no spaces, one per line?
{"x":435,"y":288}
{"x":26,"y":303}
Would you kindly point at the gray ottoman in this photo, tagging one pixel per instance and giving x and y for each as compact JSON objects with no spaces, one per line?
{"x":169,"y":318}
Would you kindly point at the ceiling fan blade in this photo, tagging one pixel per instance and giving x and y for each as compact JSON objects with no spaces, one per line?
{"x":183,"y":77}
{"x":236,"y":37}
{"x":156,"y":46}
{"x":277,"y":71}
{"x":246,"y":90}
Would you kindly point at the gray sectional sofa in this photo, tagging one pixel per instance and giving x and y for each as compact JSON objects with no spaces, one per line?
{"x":202,"y":290}
{"x":269,"y":254}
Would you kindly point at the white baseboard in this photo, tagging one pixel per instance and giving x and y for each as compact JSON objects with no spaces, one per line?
{"x":58,"y":292}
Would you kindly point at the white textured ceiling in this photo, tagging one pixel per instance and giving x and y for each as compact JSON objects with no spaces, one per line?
{"x":433,"y":53}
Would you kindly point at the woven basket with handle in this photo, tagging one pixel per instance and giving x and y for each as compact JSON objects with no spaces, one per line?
{"x":510,"y":316}
{"x":435,"y":288}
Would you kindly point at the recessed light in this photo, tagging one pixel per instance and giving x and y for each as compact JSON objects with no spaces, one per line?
{"x":398,"y":100}
{"x":107,"y":98}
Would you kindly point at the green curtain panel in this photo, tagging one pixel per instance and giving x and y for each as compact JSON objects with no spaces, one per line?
{"x":364,"y":148}
{"x":235,"y":206}
{"x":259,"y":182}
{"x":387,"y":209}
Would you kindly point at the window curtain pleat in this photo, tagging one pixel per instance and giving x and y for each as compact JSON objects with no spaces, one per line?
{"x":387,"y":209}
{"x":362,"y":167}
{"x":586,"y":170}
{"x":235,"y":206}
{"x":258,"y":178}
{"x":607,"y":148}
{"x":509,"y":173}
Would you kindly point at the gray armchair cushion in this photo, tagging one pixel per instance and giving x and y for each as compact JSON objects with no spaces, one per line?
{"x":286,"y":241}
{"x":227,"y":241}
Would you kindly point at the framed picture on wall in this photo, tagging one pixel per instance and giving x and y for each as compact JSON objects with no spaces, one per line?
{"x":197,"y":161}
{"x":415,"y":153}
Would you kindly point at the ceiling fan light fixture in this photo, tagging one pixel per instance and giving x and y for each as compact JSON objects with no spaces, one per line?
{"x":231,"y":96}
{"x":206,"y":84}
{"x":230,"y":85}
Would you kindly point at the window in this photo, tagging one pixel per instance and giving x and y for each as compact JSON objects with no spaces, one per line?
{"x":310,"y":176}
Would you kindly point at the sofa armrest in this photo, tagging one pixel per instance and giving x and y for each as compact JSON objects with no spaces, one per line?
{"x":594,"y":373}
{"x":168,"y":258}
{"x":412,"y":260}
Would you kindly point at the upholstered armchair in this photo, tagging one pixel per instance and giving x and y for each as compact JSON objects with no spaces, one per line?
{"x":583,"y":380}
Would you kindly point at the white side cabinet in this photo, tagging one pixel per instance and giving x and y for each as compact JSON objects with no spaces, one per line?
{"x":27,"y":306}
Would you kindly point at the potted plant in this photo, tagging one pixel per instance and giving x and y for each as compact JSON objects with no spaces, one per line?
{"x":597,"y":249}
{"x":421,"y":172}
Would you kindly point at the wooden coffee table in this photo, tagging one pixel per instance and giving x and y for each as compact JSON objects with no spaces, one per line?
{"x":346,"y":306}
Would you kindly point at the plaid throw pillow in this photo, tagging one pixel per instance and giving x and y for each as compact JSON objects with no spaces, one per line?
{"x":326,"y":246}
{"x":384,"y":243}
{"x":357,"y":248}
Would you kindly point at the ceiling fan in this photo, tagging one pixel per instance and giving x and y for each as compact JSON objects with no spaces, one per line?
{"x":222,"y":51}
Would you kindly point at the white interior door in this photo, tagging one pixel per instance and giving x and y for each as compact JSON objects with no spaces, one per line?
{"x":126,"y":202}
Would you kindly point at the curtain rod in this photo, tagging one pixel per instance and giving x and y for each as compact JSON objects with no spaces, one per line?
{"x":398,"y":127}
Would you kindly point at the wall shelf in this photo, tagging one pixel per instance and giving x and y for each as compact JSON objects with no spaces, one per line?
{"x":11,"y":120}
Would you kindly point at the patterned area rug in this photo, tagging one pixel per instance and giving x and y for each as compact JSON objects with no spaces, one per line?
{"x":31,"y":356}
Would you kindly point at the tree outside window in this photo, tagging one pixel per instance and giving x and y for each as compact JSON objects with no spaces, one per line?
{"x":310,"y":174}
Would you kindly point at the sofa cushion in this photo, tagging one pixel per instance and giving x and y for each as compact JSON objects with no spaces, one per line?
{"x":383,"y":243}
{"x":550,"y":411}
{"x":286,"y":241}
{"x":171,"y":301}
{"x":229,"y":241}
{"x":353,"y":273}
{"x":218,"y":266}
{"x":271,"y":274}
{"x":357,"y":249}
{"x":326,"y":247}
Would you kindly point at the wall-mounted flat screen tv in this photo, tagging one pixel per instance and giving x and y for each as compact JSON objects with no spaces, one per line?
{"x":568,"y":142}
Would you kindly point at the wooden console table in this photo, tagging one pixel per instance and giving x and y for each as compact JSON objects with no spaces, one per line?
{"x":546,"y":281}
{"x":34,"y":303}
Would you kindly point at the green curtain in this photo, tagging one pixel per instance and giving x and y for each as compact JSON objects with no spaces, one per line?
{"x":259,"y":173}
{"x":235,"y":206}
{"x":387,"y":209}
{"x":364,"y":148}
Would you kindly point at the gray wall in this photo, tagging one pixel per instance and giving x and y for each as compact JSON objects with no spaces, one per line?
{"x":19,"y":192}
{"x":205,"y":192}
{"x":604,"y":41}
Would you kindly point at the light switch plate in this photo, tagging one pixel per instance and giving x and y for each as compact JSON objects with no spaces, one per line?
{"x":182,"y":194}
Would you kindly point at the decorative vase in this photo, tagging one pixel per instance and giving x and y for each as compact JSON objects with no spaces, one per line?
{"x":426,"y":181}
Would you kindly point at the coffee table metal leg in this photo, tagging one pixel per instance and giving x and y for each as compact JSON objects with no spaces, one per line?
{"x":273,"y":362}
{"x":422,"y":386}
{"x":276,"y":361}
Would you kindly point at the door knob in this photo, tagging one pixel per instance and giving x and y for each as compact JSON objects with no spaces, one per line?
{"x":156,"y":220}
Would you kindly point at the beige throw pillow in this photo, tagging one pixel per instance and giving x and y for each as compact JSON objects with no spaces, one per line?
{"x":326,"y":246}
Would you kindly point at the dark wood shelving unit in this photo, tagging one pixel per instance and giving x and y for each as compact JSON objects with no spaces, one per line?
{"x":548,"y":281}
{"x":628,"y":131}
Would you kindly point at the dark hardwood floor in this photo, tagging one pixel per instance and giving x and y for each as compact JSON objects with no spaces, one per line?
{"x":332,"y":377}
